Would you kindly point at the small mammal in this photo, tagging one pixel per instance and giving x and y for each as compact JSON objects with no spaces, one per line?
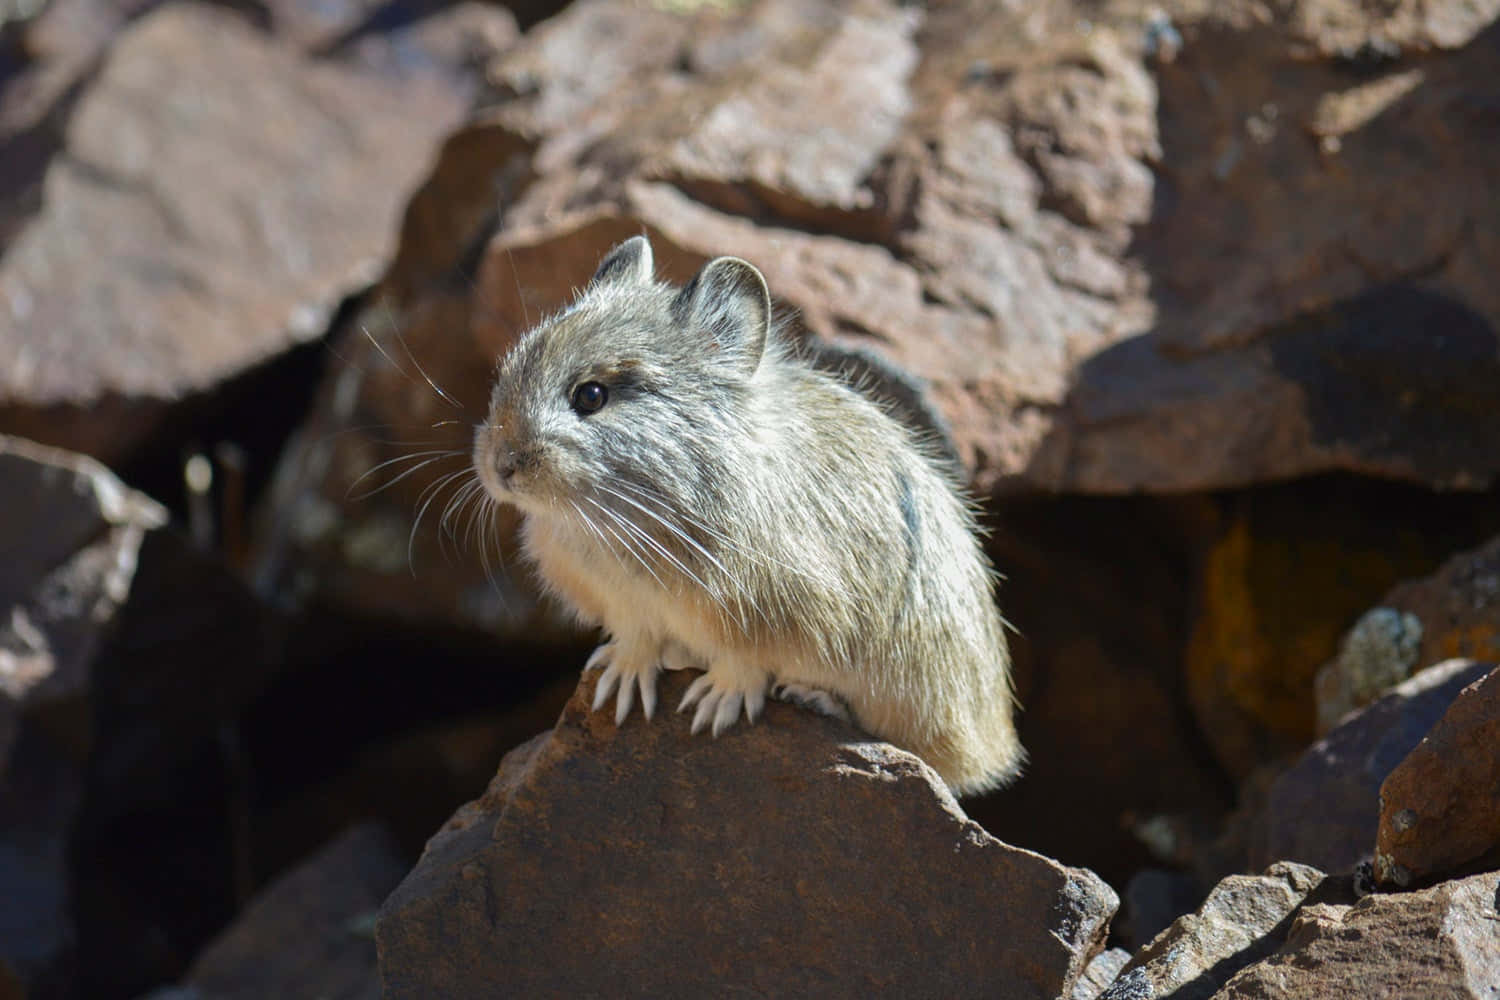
{"x":714,"y":502}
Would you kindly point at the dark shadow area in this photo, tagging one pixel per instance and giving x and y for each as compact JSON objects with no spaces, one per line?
{"x":222,"y":758}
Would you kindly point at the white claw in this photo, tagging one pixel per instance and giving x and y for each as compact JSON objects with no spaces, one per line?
{"x":701,"y":685}
{"x":728,"y":712}
{"x":705,"y":711}
{"x":626,"y":699}
{"x":607,"y":682}
{"x":648,"y":695}
{"x":755,"y":701}
{"x":600,"y":657}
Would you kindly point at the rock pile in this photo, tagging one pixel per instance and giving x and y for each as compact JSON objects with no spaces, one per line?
{"x":1200,"y":298}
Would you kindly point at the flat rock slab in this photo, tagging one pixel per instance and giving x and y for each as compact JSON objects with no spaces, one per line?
{"x":1440,"y":807}
{"x":1438,"y":944}
{"x":789,"y":858}
{"x":215,"y":197}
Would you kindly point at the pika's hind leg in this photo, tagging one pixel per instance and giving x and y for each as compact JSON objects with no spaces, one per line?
{"x":816,"y":699}
{"x":728,"y":686}
{"x":630,"y":662}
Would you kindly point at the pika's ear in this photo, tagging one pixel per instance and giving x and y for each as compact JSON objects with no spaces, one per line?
{"x":729,"y":303}
{"x":628,"y":263}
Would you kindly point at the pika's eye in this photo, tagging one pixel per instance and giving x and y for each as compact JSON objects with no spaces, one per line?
{"x":590,"y":398}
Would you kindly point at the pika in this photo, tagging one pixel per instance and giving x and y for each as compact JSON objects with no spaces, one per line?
{"x":713,"y":501}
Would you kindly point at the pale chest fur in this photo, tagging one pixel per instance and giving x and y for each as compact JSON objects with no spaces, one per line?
{"x":603,"y":590}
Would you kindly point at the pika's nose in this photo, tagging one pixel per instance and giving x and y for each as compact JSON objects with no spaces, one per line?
{"x":505,"y":466}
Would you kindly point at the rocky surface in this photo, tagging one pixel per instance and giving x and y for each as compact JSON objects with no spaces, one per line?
{"x":1439,"y":943}
{"x":1201,"y":294}
{"x":309,"y":933}
{"x":1454,"y":612}
{"x":760,"y":844}
{"x":170,"y":250}
{"x":72,"y":535}
{"x":1440,"y":807}
{"x":1282,"y":575}
{"x":1323,"y":811}
{"x":1243,"y":920}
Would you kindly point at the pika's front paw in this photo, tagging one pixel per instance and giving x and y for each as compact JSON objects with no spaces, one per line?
{"x":722,"y":692}
{"x":628,"y":666}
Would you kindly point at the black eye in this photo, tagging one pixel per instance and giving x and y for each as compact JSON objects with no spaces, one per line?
{"x":590,"y":397}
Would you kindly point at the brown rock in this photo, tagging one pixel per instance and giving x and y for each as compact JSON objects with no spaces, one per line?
{"x":792,"y":857}
{"x":183,"y":239}
{"x":1458,"y":607}
{"x":1293,"y":267}
{"x":1438,"y":944}
{"x":1440,"y":807}
{"x":1279,"y":580}
{"x":1241,"y":921}
{"x":1323,"y":811}
{"x":309,"y":932}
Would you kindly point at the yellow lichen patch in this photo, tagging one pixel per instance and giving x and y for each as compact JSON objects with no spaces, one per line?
{"x":1479,"y":641}
{"x":1277,"y":591}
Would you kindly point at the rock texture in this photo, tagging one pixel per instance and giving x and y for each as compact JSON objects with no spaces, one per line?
{"x":1454,"y":612}
{"x":1440,"y":807}
{"x":309,"y":933}
{"x":213,"y":199}
{"x":796,"y":856}
{"x":1439,"y":943}
{"x":1323,"y":810}
{"x":1284,"y":573}
{"x":1242,"y":921}
{"x":71,"y":536}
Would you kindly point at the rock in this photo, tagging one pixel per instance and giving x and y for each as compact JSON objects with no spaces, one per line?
{"x":1458,"y":607}
{"x":40,"y":790}
{"x":308,"y":933}
{"x":1378,"y":653}
{"x":646,"y":861}
{"x":1281,"y":577}
{"x":1240,"y":922}
{"x":1454,"y":612}
{"x":1153,"y":899}
{"x":72,"y":533}
{"x":168,"y":767}
{"x":1273,"y":350}
{"x":1100,"y":973}
{"x":214,"y":198}
{"x":107,"y":621}
{"x":1437,"y":943}
{"x":1440,"y":807}
{"x":1323,"y":810}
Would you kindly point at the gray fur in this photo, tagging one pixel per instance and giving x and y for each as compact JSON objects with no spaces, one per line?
{"x":732,"y":502}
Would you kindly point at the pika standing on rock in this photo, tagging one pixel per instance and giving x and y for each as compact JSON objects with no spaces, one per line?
{"x":714,"y":502}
